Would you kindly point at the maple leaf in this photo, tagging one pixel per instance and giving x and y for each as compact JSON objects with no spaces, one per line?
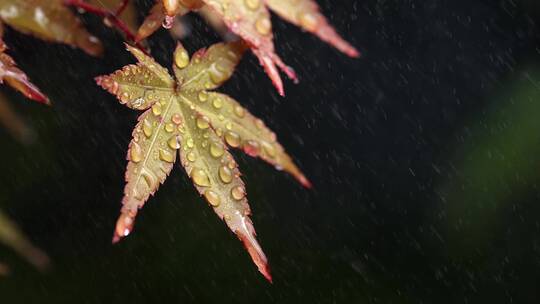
{"x":17,"y":79}
{"x":49,"y":20}
{"x":184,"y":116}
{"x":250,"y":19}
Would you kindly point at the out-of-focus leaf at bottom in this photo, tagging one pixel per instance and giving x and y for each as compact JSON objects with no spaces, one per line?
{"x":12,"y":237}
{"x":493,"y":167}
{"x":15,"y":125}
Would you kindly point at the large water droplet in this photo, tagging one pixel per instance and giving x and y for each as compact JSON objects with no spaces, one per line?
{"x":174,"y":143}
{"x":199,"y":177}
{"x":169,"y":127}
{"x":269,"y":149}
{"x":147,"y":128}
{"x":176,"y":119}
{"x":165,"y":155}
{"x":252,"y":4}
{"x":259,"y":124}
{"x":202,"y":122}
{"x":225,"y":174}
{"x":212,"y":198}
{"x":232,"y":139}
{"x":217,"y":103}
{"x":239,"y":111}
{"x":191,"y":156}
{"x":308,"y":21}
{"x":203,"y":96}
{"x":252,"y":148}
{"x":238,"y":192}
{"x":135,"y":153}
{"x":156,"y":109}
{"x":181,"y":58}
{"x":263,"y":26}
{"x":216,"y":150}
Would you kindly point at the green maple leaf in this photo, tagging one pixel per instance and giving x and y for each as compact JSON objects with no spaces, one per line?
{"x":185,"y":117}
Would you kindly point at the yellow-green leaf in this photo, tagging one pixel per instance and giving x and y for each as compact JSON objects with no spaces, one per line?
{"x":199,"y":123}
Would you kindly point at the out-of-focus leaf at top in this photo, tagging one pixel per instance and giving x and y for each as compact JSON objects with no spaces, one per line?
{"x":250,"y":19}
{"x":14,"y":77}
{"x":12,"y":237}
{"x":184,"y":117}
{"x":49,"y":20}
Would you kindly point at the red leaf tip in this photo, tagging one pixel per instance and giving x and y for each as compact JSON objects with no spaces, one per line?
{"x":124,"y":226}
{"x":305,"y":182}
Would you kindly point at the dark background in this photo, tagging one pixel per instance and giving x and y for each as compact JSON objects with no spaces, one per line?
{"x":424,"y":155}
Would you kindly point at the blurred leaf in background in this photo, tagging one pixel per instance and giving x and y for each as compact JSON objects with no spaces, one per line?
{"x":11,"y":236}
{"x":495,"y":164}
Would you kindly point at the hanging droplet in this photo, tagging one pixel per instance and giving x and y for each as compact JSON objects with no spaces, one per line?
{"x":168,"y":22}
{"x":199,"y":177}
{"x":232,"y":139}
{"x":225,"y":174}
{"x":216,"y":150}
{"x":238,"y":192}
{"x":147,"y":128}
{"x":165,"y":155}
{"x":252,"y":148}
{"x":263,"y":26}
{"x":212,"y":198}
{"x":135,"y":153}
{"x":202,"y":122}
{"x":174,"y":143}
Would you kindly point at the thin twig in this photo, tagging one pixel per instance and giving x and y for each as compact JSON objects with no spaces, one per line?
{"x":121,"y":7}
{"x":111,"y":17}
